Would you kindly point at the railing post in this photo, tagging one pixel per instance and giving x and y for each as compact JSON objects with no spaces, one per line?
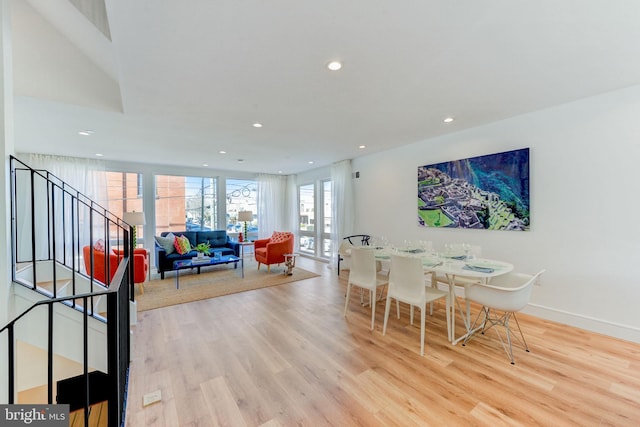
{"x":50,"y":356}
{"x":85,"y":360}
{"x":13,"y":219}
{"x":74,"y":244}
{"x":11,"y":364}
{"x":33,"y":230}
{"x":51,"y":218}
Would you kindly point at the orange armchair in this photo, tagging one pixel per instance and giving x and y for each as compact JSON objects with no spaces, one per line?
{"x":140,"y":264}
{"x":272,"y":250}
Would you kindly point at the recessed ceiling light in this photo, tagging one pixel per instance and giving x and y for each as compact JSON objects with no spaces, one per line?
{"x":334,"y":65}
{"x":448,"y":120}
{"x":257,"y":125}
{"x":362,"y":146}
{"x":85,"y":132}
{"x":99,"y":154}
{"x":222,"y":152}
{"x":279,"y":171}
{"x":205,"y":165}
{"x":310,"y":162}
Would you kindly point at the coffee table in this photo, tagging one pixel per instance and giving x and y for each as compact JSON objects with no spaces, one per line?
{"x":187,"y":263}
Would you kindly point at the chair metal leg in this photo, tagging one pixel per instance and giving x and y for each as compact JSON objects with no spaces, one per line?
{"x":500,"y":321}
{"x":526,"y":347}
{"x":506,"y":326}
{"x":473,"y":329}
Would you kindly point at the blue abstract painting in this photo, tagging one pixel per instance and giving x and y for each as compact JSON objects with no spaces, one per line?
{"x":488,"y":192}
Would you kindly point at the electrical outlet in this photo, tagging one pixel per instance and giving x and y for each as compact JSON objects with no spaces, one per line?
{"x":150,"y":398}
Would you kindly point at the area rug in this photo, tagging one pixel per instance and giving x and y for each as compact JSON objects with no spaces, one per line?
{"x":211,"y":283}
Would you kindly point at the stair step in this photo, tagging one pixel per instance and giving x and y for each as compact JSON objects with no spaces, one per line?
{"x":98,"y":412}
{"x":35,"y":395}
{"x":60,"y":285}
{"x":98,"y":416}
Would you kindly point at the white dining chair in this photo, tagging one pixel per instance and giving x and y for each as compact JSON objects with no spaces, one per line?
{"x":363,"y":274}
{"x":407,"y":285}
{"x":501,"y":299}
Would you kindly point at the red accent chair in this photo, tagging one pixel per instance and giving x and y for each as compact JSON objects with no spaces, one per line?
{"x":272,"y":250}
{"x":140,"y":264}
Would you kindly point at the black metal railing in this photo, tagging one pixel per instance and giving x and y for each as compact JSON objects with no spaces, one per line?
{"x":51,"y":221}
{"x":54,"y":229}
{"x":117,"y":346}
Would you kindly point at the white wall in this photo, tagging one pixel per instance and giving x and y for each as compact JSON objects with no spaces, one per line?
{"x":585,"y":205}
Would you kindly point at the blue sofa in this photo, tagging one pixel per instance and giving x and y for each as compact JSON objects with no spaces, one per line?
{"x":218,"y":240}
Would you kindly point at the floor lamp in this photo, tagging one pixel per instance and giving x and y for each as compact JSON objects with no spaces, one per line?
{"x":134,"y":219}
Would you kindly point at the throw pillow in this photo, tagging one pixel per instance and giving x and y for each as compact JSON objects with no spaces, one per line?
{"x":279,"y":236}
{"x":99,"y":245}
{"x":166,"y":242}
{"x":182,"y":245}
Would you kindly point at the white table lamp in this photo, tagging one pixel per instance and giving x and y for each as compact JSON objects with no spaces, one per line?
{"x":245,"y":216}
{"x":134,"y":219}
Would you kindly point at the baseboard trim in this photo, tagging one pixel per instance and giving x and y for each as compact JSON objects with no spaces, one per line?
{"x":605,"y":327}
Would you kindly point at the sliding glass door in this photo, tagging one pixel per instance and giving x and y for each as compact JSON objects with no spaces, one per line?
{"x":315,"y":222}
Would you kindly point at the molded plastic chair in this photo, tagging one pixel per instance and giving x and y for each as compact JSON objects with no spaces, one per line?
{"x":364,"y":275}
{"x":407,"y":284}
{"x":506,"y":294}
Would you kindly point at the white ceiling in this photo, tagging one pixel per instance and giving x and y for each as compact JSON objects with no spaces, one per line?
{"x":182,"y":80}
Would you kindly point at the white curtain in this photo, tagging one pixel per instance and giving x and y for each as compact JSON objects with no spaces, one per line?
{"x":293,"y":219}
{"x":343,"y":206}
{"x":83,"y":175}
{"x":272,"y":204}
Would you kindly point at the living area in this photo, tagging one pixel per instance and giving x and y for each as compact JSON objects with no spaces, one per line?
{"x":226,"y":266}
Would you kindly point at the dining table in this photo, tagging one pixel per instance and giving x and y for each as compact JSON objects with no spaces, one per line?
{"x":458,"y":270}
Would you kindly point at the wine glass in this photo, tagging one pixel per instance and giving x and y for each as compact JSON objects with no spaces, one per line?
{"x":466,"y":247}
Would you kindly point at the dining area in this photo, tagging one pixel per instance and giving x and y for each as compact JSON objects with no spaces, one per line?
{"x":455,"y":277}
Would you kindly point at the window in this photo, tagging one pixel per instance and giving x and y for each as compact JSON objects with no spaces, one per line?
{"x":124,"y":194}
{"x":310,"y":196}
{"x":185,"y":203}
{"x":241,"y":196}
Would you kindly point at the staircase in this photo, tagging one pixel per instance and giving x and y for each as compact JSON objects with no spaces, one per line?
{"x":68,"y":342}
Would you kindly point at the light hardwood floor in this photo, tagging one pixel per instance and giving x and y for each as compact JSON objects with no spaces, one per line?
{"x":287,"y":356}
